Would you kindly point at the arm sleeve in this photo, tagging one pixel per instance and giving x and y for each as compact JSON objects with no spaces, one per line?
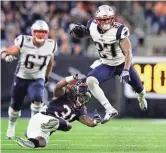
{"x":19,"y":41}
{"x":122,"y":32}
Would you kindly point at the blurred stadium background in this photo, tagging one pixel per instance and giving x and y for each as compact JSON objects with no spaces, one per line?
{"x":146,"y":21}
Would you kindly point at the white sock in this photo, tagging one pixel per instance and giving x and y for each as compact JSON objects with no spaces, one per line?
{"x":35,"y":108}
{"x":141,"y":94}
{"x":13,"y":116}
{"x":98,"y":93}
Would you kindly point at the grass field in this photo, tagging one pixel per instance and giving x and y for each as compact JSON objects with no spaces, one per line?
{"x":117,"y":136}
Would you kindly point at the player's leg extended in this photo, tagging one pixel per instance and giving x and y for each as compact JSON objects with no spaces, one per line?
{"x":137,"y":85}
{"x":99,"y":75}
{"x":36,"y":91}
{"x":18,"y":92}
{"x":39,"y":128}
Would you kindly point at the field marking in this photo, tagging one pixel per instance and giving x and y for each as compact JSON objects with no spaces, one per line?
{"x":94,"y":145}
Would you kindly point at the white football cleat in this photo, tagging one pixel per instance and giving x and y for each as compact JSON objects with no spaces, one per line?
{"x":24,"y":143}
{"x":10,"y":133}
{"x":142,"y":101}
{"x":109,"y":115}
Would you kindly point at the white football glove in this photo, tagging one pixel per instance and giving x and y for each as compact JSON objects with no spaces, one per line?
{"x":10,"y":58}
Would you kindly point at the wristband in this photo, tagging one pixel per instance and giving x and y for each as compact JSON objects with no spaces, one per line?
{"x":69,"y":79}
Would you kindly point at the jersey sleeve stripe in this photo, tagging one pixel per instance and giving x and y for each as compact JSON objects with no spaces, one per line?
{"x":22,"y":41}
{"x":55,"y":47}
{"x":119,"y":31}
{"x":89,"y":23}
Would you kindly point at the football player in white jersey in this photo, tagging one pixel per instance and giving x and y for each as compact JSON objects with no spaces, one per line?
{"x":114,"y":47}
{"x":36,"y":56}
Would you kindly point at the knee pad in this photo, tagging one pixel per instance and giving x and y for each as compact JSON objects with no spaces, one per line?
{"x":36,"y":106}
{"x":13,"y":115}
{"x":90,"y":81}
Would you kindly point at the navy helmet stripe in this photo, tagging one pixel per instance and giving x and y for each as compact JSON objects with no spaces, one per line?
{"x":89,"y":23}
{"x":119,"y":31}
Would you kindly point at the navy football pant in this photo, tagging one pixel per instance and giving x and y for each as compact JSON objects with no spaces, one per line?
{"x":105,"y":72}
{"x":23,"y":87}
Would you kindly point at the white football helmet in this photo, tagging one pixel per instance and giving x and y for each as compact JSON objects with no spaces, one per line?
{"x":105,"y":16}
{"x":40,"y":30}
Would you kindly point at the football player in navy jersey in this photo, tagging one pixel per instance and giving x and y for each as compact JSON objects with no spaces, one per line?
{"x":114,"y":47}
{"x":67,"y":105}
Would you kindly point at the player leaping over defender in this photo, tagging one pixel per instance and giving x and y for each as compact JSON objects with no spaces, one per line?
{"x":114,"y":47}
{"x":36,"y":55}
{"x":67,"y":105}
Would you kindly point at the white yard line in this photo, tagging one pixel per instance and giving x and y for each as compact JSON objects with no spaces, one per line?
{"x":95,"y":145}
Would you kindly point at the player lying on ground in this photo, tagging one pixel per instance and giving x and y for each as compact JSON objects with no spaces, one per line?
{"x":67,"y":105}
{"x":114,"y":47}
{"x":36,"y":56}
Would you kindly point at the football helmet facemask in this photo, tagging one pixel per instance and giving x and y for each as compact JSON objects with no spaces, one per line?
{"x":40,"y":31}
{"x":79,"y":94}
{"x":105,"y":17}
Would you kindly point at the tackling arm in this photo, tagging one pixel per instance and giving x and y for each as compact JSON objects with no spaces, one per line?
{"x":126,"y":48}
{"x":84,"y":119}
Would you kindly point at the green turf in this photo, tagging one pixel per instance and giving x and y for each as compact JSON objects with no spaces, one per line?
{"x":117,"y":136}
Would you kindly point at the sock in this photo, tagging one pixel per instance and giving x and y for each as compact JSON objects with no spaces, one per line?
{"x":35,"y":142}
{"x":98,"y":93}
{"x":35,"y":108}
{"x":13,"y":115}
{"x":141,"y":94}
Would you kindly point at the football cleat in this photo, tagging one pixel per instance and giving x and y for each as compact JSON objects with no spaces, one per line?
{"x":24,"y":143}
{"x":109,"y":115}
{"x":142,"y":101}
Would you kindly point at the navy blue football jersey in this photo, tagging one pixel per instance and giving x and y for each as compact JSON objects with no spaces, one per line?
{"x":64,"y":109}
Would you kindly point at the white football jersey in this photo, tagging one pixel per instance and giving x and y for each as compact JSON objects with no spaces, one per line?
{"x":33,"y":61}
{"x":108,"y":43}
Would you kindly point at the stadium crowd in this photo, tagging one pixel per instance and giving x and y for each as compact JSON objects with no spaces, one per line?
{"x":142,"y":18}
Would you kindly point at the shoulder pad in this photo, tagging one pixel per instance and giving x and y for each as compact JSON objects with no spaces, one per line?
{"x":19,"y":40}
{"x":122,"y":32}
{"x":89,"y":23}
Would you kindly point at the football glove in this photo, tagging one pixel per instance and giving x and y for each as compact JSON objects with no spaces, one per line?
{"x":77,"y":30}
{"x":10,"y":58}
{"x":125,"y":76}
{"x":97,"y":117}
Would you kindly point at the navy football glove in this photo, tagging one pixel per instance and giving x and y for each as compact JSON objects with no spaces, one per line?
{"x":125,"y":76}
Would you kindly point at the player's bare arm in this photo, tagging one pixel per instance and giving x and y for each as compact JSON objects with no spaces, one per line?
{"x":84,"y":119}
{"x":49,"y":67}
{"x":14,"y":50}
{"x":59,"y":90}
{"x":126,"y":48}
